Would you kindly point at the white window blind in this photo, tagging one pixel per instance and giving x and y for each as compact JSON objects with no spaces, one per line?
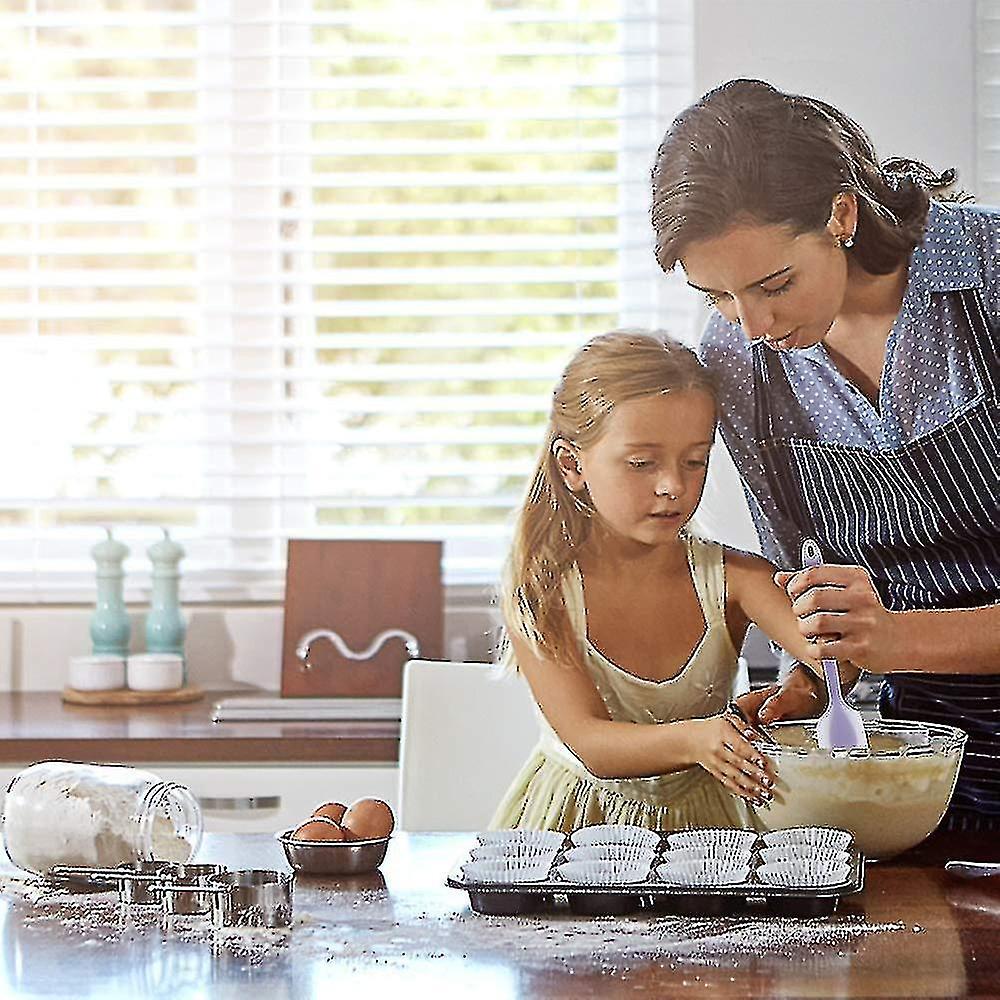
{"x":288,"y":268}
{"x":988,"y":101}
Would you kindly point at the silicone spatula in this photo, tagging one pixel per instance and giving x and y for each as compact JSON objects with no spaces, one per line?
{"x":840,"y":727}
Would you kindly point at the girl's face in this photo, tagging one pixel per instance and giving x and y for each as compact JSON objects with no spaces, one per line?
{"x":784,"y":288}
{"x":646,"y":472}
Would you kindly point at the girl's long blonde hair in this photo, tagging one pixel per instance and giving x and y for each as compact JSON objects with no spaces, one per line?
{"x":554,"y":522}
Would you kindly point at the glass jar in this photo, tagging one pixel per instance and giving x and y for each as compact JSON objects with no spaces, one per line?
{"x":101,"y":815}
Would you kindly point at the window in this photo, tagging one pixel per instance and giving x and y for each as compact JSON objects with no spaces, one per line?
{"x":291,"y":268}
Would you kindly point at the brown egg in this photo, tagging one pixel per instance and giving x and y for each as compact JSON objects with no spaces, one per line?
{"x":369,"y":818}
{"x":331,"y":810}
{"x":319,"y":829}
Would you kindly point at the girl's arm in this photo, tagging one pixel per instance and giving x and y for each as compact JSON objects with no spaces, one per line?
{"x":750,"y":585}
{"x":842,"y":600}
{"x":573,"y":707}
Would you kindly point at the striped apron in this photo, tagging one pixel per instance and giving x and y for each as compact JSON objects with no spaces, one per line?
{"x":924,"y":520}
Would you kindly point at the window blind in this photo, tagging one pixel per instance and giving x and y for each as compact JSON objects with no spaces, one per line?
{"x":294,"y":268}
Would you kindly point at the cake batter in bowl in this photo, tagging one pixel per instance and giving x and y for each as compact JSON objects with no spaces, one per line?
{"x":890,"y":798}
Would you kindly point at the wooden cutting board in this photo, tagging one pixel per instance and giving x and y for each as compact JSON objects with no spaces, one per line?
{"x":126,"y":696}
{"x":358,"y":589}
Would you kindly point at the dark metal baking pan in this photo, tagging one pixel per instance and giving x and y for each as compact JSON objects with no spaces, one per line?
{"x":516,"y":899}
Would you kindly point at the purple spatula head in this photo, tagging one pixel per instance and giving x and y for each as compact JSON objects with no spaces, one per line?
{"x":840,"y":727}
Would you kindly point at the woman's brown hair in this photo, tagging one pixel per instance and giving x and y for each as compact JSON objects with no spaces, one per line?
{"x":554,"y":522}
{"x":747,"y":152}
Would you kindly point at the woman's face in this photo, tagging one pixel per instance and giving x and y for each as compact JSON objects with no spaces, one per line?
{"x":782,"y":287}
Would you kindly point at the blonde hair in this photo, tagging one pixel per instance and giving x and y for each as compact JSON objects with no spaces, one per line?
{"x":554,"y":522}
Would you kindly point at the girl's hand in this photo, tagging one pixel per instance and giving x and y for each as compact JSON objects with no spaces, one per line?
{"x":800,"y":697}
{"x":839,"y":610}
{"x":751,"y":702}
{"x":723,"y":747}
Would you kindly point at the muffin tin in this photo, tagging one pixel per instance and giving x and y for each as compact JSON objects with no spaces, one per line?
{"x":707,"y":872}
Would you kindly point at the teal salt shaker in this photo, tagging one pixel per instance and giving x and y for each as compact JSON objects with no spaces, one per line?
{"x":110,"y":627}
{"x":165,"y":626}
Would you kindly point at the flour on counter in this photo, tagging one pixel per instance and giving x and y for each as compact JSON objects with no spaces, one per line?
{"x":392,"y":933}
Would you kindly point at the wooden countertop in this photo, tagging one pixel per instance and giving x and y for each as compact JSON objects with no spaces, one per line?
{"x":912,"y":932}
{"x":38,"y":725}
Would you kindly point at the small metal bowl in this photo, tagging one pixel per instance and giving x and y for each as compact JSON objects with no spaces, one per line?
{"x":338,"y":857}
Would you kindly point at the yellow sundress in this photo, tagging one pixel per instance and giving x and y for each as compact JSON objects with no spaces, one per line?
{"x":554,"y":791}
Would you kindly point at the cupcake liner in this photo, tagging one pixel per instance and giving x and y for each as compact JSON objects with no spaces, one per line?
{"x":615,"y":833}
{"x":546,"y":840}
{"x":816,"y":836}
{"x":505,"y":870}
{"x":603,"y":872}
{"x":807,"y":853}
{"x":528,"y":854}
{"x":803,"y":874}
{"x":704,"y":872}
{"x":628,"y":853}
{"x":717,"y":838}
{"x":739,"y":856}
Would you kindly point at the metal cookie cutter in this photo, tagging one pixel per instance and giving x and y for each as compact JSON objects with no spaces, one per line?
{"x":250,"y":898}
{"x":137,"y":881}
{"x":181,"y":895}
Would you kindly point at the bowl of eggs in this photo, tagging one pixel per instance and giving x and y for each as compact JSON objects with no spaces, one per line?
{"x":339,"y":839}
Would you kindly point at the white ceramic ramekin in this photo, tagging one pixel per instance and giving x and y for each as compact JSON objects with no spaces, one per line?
{"x":100,"y":672}
{"x":155,"y":671}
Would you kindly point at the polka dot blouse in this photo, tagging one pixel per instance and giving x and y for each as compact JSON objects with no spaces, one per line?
{"x":928,"y":376}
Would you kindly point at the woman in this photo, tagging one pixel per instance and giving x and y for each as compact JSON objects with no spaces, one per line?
{"x":856,"y":340}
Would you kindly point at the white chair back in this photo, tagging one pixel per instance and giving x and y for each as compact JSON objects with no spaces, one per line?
{"x":466,"y":732}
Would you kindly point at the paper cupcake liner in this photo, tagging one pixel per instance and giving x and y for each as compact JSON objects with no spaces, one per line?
{"x":718,"y":838}
{"x":615,"y":833}
{"x":817,"y":836}
{"x":546,"y":840}
{"x":739,"y":856}
{"x":702,"y":873}
{"x":803,"y":853}
{"x":603,"y":872}
{"x":529,"y":854}
{"x":803,"y":874}
{"x":628,"y":853}
{"x":505,"y":870}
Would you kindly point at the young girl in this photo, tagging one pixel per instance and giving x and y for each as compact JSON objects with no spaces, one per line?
{"x":626,"y":625}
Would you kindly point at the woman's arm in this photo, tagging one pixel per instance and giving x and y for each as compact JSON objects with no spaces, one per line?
{"x":573,"y":707}
{"x":841,"y":602}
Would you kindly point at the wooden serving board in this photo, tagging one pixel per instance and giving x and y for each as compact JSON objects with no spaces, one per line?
{"x":358,"y":588}
{"x":126,"y":696}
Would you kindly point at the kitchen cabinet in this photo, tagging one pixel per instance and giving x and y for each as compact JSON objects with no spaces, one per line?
{"x":250,"y":776}
{"x":237,"y":798}
{"x":248,"y":799}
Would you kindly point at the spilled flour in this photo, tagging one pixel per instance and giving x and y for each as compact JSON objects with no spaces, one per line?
{"x":390,"y":931}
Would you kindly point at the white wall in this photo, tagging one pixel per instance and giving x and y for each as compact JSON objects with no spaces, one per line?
{"x":904,"y":69}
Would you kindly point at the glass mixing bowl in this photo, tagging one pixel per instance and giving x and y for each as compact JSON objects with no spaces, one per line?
{"x":890,"y":797}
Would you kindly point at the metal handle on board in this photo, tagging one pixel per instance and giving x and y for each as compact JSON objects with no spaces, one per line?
{"x":247,"y":803}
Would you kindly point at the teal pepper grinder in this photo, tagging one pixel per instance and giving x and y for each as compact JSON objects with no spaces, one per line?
{"x":109,"y":624}
{"x":165,"y":627}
